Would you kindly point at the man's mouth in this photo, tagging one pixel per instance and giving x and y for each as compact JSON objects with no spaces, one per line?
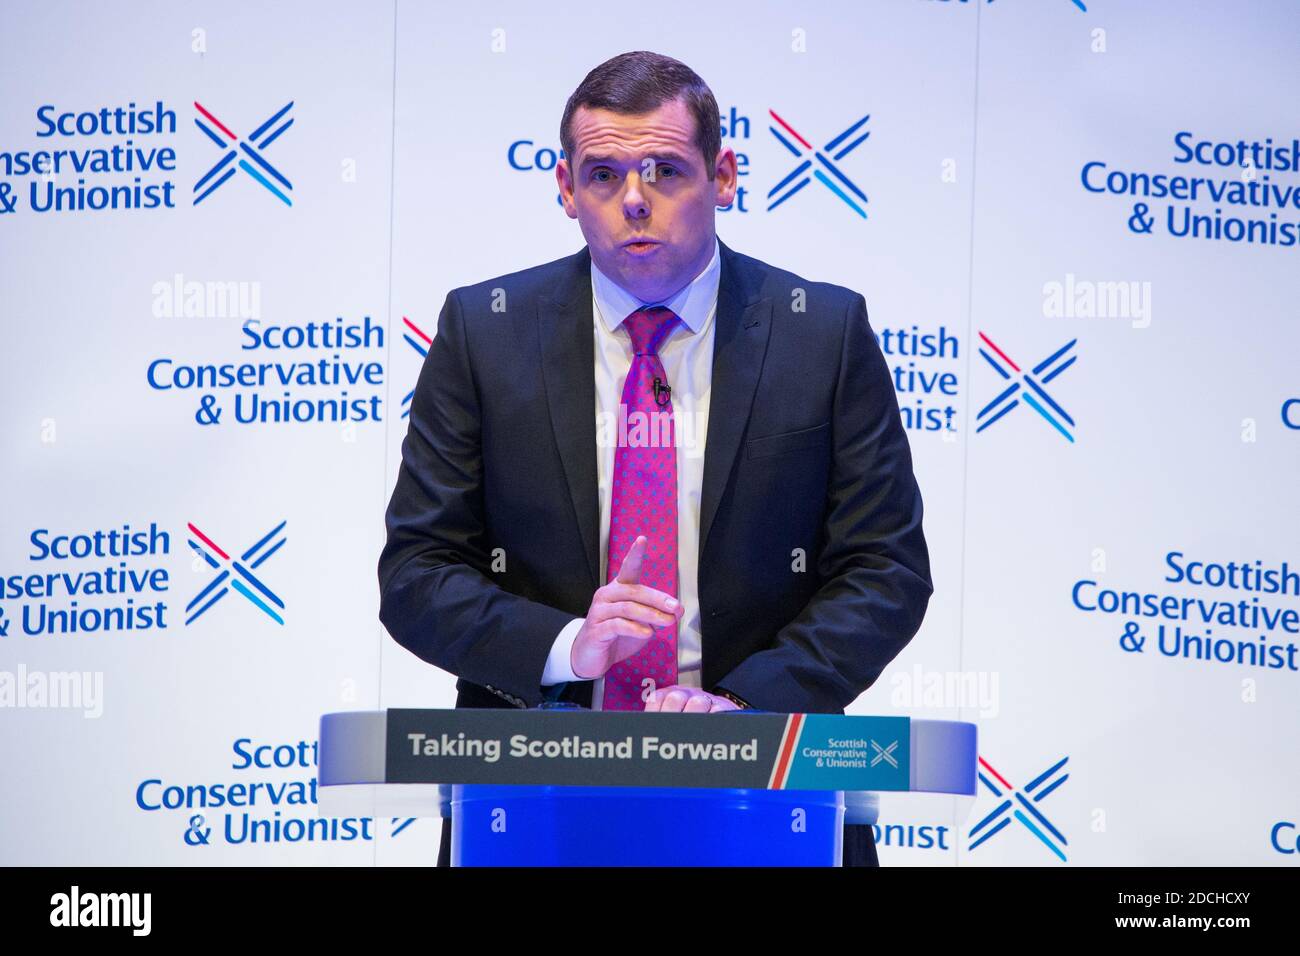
{"x":638,"y":246}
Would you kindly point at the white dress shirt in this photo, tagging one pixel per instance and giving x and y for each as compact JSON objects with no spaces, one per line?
{"x":687,"y":357}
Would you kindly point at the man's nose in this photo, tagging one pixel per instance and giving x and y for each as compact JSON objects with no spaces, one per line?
{"x":635,"y":203}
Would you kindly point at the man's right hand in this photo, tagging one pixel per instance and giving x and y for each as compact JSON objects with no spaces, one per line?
{"x":623,"y":616}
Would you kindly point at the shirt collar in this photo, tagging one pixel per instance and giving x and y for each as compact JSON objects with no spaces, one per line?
{"x":692,"y":303}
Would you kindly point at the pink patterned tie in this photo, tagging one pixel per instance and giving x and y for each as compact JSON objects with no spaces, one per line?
{"x":644,"y":502}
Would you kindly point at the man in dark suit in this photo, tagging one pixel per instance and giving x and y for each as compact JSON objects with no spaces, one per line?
{"x":773,"y":559}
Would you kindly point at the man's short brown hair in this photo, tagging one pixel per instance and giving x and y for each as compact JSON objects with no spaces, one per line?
{"x":641,"y":82}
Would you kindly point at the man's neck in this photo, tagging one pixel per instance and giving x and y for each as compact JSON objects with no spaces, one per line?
{"x":695,"y":272}
{"x":693,"y":301}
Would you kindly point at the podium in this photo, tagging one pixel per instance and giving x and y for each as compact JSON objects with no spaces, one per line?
{"x":565,"y":786}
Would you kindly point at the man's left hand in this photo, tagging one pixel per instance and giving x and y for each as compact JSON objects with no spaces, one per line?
{"x":688,"y":700}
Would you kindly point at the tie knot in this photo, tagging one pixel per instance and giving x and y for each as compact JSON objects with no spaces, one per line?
{"x":649,"y":327}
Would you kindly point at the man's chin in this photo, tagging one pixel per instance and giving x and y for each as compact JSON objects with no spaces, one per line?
{"x":641,"y":279}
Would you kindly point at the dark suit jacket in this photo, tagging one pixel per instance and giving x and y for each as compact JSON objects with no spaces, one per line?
{"x":492,"y":528}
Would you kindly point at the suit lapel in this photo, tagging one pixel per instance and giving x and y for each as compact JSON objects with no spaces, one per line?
{"x":739,"y":345}
{"x":568,"y":361}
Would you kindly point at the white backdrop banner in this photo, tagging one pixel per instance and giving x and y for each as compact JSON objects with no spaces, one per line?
{"x":227,"y":234}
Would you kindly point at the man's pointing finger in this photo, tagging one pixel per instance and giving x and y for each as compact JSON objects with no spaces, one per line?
{"x":630,"y":571}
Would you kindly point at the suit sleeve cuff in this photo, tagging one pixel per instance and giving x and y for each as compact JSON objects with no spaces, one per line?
{"x":559,"y":664}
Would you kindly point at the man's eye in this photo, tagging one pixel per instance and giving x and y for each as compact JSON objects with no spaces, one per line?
{"x":597,"y":174}
{"x":669,"y":171}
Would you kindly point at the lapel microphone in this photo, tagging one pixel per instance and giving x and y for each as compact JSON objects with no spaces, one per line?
{"x":663,"y":392}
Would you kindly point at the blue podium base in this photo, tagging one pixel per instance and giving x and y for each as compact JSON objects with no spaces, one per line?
{"x":644,"y":826}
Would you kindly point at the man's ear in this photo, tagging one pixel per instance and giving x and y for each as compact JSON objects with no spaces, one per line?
{"x":564,"y":180}
{"x":724,"y":175}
